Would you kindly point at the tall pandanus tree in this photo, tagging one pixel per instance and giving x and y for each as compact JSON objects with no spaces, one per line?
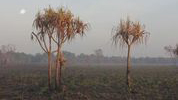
{"x":67,"y":27}
{"x":129,"y":33}
{"x":44,"y":25}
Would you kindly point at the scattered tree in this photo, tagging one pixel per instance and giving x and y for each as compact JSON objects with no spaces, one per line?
{"x":99,"y":52}
{"x":6,"y":51}
{"x":173,"y":51}
{"x":129,"y":33}
{"x":99,"y":55}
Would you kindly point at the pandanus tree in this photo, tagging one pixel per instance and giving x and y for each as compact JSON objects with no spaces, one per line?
{"x":67,"y":27}
{"x":44,"y":25}
{"x":129,"y":33}
{"x":56,"y":26}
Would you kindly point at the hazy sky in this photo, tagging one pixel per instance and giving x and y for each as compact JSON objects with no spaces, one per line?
{"x":159,"y":16}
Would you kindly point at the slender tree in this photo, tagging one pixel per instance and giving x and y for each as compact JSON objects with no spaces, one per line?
{"x":67,"y":27}
{"x":129,"y":33}
{"x":44,"y":26}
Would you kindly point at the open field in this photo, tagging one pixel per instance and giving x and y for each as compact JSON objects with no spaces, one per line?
{"x":90,"y":83}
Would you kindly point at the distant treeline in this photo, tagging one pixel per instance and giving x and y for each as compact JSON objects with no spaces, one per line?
{"x":82,"y":59}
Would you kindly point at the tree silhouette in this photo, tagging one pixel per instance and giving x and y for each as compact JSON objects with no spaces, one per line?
{"x":99,"y":55}
{"x":6,"y":53}
{"x":173,"y":51}
{"x":129,"y":33}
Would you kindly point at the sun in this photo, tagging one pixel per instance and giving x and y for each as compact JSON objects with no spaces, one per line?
{"x":22,"y":11}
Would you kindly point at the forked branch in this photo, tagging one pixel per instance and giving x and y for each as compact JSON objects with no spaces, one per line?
{"x":39,"y":42}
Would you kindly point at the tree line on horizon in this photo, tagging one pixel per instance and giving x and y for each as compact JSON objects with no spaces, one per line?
{"x":95,"y":58}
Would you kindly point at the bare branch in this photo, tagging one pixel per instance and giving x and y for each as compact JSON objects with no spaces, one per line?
{"x":54,"y":51}
{"x":39,"y":42}
{"x":54,"y":40}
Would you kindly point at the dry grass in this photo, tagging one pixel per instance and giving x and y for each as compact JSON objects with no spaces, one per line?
{"x":90,"y":83}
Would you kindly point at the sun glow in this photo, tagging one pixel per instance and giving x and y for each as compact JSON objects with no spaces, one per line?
{"x":22,"y":11}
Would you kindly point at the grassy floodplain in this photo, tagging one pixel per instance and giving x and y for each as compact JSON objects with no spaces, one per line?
{"x":29,"y":82}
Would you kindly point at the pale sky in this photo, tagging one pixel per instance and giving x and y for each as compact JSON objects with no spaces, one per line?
{"x":159,"y":16}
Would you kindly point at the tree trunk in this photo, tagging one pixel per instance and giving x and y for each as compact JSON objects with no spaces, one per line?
{"x":58,"y":70}
{"x":49,"y":70}
{"x":59,"y":75}
{"x":128,"y":68}
{"x":49,"y":65}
